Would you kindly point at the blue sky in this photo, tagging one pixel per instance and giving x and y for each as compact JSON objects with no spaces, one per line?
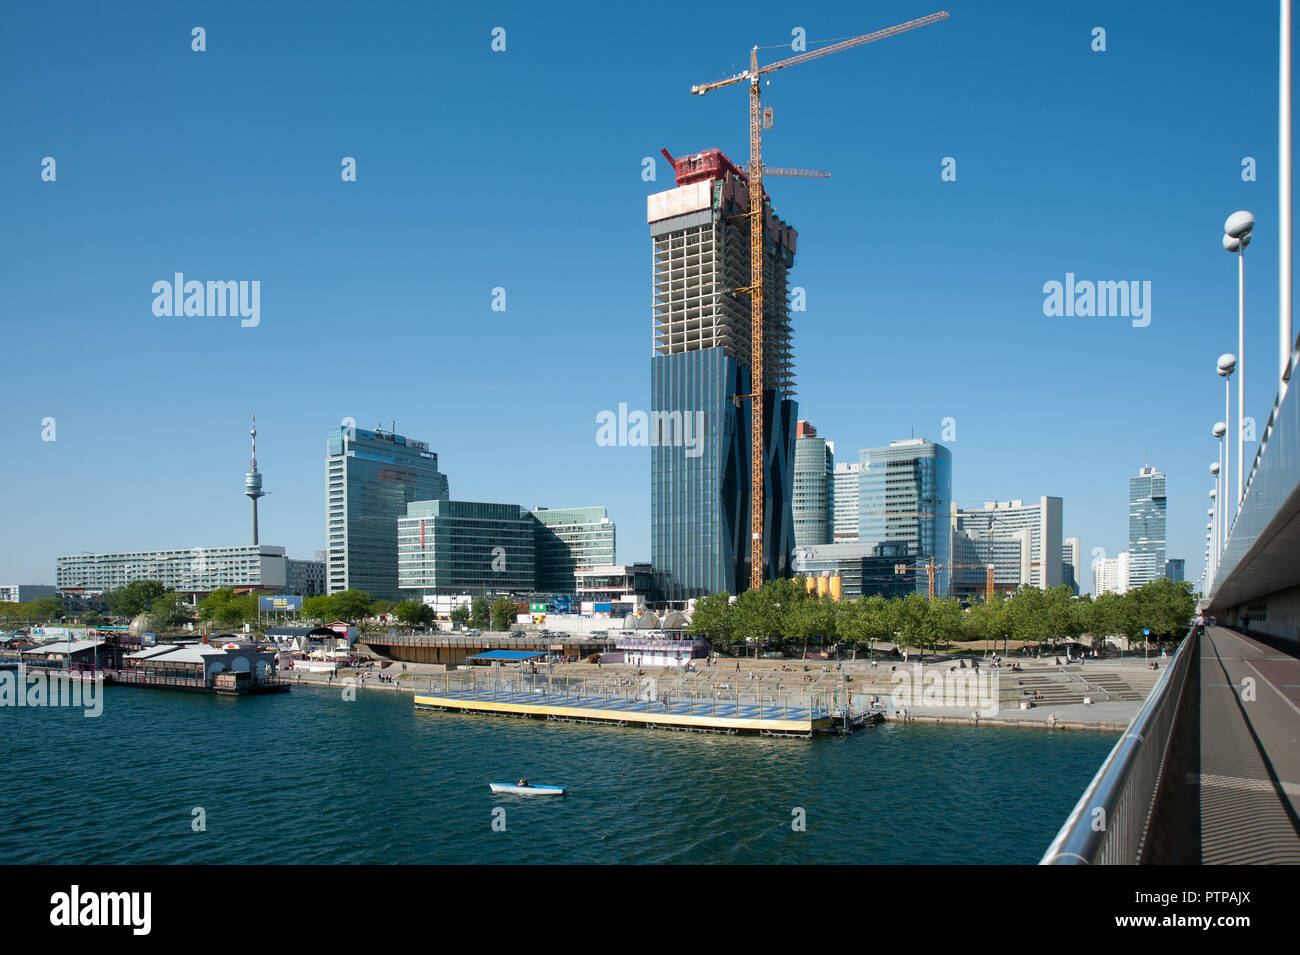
{"x":522,"y":170}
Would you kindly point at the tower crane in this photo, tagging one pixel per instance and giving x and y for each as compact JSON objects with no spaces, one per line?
{"x":760,"y":119}
{"x":931,"y":567}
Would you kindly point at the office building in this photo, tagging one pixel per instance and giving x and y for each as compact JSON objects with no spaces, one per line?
{"x":1111,"y":575}
{"x":370,"y":478}
{"x":465,"y":547}
{"x":905,"y":500}
{"x":864,"y":569}
{"x":1008,"y":553}
{"x":700,"y":520}
{"x":569,"y":539}
{"x":1022,"y":541}
{"x":844,"y":504}
{"x":195,"y":571}
{"x":1176,"y":569}
{"x":305,"y":577}
{"x":1146,"y":526}
{"x":1070,"y":558}
{"x":617,"y":583}
{"x":814,"y":463}
{"x":23,"y":593}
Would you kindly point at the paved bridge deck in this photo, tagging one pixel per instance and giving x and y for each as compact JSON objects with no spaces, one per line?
{"x":1232,"y":789}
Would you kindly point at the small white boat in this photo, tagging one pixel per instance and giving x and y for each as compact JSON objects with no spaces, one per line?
{"x":529,"y":790}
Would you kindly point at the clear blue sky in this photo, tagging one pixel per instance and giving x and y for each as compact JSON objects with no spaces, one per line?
{"x":522,"y":170}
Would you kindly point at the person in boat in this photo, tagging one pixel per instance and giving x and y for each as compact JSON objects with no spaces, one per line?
{"x":522,"y":784}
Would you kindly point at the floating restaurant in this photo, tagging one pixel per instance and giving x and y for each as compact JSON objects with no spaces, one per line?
{"x":230,"y":669}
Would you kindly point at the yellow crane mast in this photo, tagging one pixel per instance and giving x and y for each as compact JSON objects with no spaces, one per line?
{"x":759,"y":119}
{"x":931,"y":567}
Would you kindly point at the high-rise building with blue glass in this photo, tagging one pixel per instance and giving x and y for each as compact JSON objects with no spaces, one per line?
{"x":814,"y":467}
{"x":1146,"y":527}
{"x":700,"y":375}
{"x":905,"y":500}
{"x":370,"y":477}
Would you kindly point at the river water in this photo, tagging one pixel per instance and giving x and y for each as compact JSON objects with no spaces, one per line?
{"x":307,"y":777}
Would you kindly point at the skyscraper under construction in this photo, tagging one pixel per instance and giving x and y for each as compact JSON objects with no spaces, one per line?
{"x":700,"y":365}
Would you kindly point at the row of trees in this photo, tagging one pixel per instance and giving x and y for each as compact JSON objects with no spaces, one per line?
{"x":784,"y":613}
{"x":495,"y":615}
{"x":225,"y":608}
{"x":42,"y":610}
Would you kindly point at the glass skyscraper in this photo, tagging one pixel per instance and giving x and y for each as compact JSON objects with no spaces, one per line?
{"x":1146,"y":527}
{"x":844,"y":502}
{"x":700,"y":366}
{"x":370,"y":477}
{"x":465,"y":547}
{"x":905,"y":498}
{"x":814,"y":464}
{"x":569,"y":539}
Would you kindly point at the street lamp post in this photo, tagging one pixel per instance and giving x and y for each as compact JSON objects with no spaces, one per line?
{"x":1227,"y":364}
{"x":1285,"y":342}
{"x":1235,"y":239}
{"x":1220,"y":429}
{"x":1213,"y":533}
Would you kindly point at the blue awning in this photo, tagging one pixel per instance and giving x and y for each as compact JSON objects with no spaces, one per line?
{"x":509,"y":655}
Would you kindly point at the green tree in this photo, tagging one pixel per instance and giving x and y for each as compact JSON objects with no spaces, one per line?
{"x":320,"y":607}
{"x":352,"y":605}
{"x":45,"y":609}
{"x":171,"y":609}
{"x":135,"y":598}
{"x":1027,"y":618}
{"x":481,"y":612}
{"x":503,"y":613}
{"x":867,"y":620}
{"x":910,"y":620}
{"x":460,"y":614}
{"x":712,"y":619}
{"x":414,"y":613}
{"x":1110,"y":616}
{"x":756,"y":619}
{"x":945,"y":621}
{"x":1163,"y":606}
{"x":989,"y":621}
{"x":227,"y":610}
{"x":810,"y":618}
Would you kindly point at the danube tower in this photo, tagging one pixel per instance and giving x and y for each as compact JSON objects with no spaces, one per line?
{"x":253,"y":480}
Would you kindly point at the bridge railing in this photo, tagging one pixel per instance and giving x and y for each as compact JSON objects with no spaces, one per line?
{"x":1109,"y":824}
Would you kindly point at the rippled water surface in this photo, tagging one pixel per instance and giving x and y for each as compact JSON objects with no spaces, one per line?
{"x":305,"y":777}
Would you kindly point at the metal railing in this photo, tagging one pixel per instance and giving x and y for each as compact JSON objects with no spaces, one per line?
{"x":1109,"y":824}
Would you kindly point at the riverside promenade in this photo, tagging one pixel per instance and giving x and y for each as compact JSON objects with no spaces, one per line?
{"x":1115,"y":687}
{"x":1053,"y":696}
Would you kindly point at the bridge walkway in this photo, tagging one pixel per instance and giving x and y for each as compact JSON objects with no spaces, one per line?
{"x":1232,"y":788}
